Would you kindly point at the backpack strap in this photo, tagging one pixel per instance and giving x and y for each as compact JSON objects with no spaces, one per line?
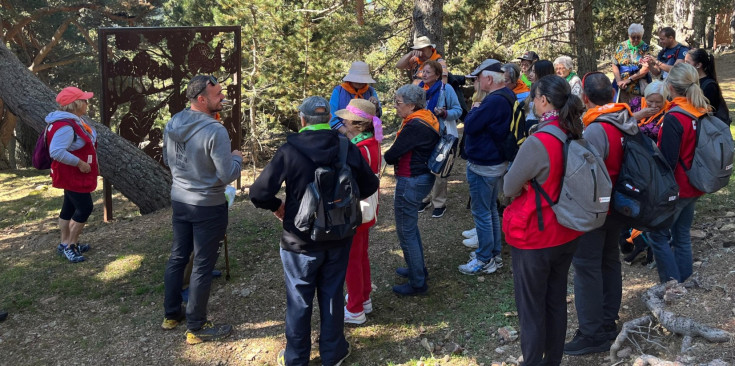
{"x":429,"y":126}
{"x":561,"y":136}
{"x":343,"y":144}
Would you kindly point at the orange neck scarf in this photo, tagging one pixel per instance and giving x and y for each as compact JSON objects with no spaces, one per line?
{"x":684,"y":104}
{"x":593,"y":113}
{"x":521,"y":87}
{"x":424,"y":115}
{"x":434,"y":56}
{"x":86,"y":127}
{"x":357,"y":93}
{"x":655,"y":117}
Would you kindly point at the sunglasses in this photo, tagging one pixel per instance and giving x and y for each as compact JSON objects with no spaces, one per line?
{"x":212,"y":80}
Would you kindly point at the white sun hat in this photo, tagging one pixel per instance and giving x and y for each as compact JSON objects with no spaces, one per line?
{"x":359,"y":73}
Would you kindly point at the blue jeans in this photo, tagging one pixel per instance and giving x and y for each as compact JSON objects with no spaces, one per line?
{"x":322,"y":272}
{"x":199,"y":229}
{"x":484,"y":196}
{"x":672,"y":247}
{"x":407,"y":199}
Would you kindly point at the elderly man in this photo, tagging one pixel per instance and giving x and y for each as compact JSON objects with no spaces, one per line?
{"x":311,"y":266}
{"x":423,"y":50}
{"x":485,"y":126}
{"x":527,"y":60}
{"x":672,"y":53}
{"x":196,"y":147}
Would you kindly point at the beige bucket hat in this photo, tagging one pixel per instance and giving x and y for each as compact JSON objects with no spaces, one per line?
{"x":422,"y":42}
{"x":359,"y":73}
{"x":363,"y":105}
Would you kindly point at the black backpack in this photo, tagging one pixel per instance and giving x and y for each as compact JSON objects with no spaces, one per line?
{"x":645,"y":194}
{"x":330,"y":207}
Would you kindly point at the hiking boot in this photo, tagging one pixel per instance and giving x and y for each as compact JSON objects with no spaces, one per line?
{"x":475,"y":266}
{"x":610,"y":331}
{"x":281,"y":359}
{"x":582,"y":345}
{"x":472,"y":242}
{"x":71,"y":252}
{"x":172,"y":323}
{"x":403,"y":272}
{"x":470,"y":233}
{"x":355,"y":318}
{"x":423,"y":206}
{"x":439,"y":211}
{"x":367,"y":306}
{"x":208,"y":332}
{"x":83,"y":248}
{"x":407,"y":290}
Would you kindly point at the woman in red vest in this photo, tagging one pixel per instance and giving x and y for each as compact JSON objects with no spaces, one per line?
{"x":73,"y":147}
{"x":541,"y":257}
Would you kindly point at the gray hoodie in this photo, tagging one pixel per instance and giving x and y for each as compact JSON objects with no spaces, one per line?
{"x":595,"y":132}
{"x":197,"y":149}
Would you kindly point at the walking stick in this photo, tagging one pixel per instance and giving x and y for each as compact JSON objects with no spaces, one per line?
{"x":227,"y":261}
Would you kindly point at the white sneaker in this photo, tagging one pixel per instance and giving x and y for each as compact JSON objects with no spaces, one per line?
{"x":355,"y":318}
{"x":470,"y":233}
{"x":367,"y":306}
{"x":471,"y":242}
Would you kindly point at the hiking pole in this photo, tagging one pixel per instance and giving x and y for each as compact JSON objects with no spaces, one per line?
{"x":227,"y":261}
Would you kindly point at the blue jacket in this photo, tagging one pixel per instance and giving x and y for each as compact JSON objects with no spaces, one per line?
{"x":486,"y":124}
{"x":341,"y":98}
{"x":448,"y":99}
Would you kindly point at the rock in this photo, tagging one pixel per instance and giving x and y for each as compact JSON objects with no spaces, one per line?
{"x":446,"y":336}
{"x":508,"y":334}
{"x":250,"y":357}
{"x":500,"y":350}
{"x":729,"y":214}
{"x":728,"y":227}
{"x":625,"y":352}
{"x":446,"y":358}
{"x":697,"y":234}
{"x":697,"y":264}
{"x":457,"y":349}
{"x":480,"y":279}
{"x":509,"y":314}
{"x":427,"y":345}
{"x":49,"y":300}
{"x":245,"y":292}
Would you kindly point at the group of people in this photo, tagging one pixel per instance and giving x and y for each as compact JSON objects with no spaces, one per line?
{"x":556,"y":101}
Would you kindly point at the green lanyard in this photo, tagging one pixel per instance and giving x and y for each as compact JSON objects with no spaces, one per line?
{"x":361,"y":137}
{"x":316,"y":127}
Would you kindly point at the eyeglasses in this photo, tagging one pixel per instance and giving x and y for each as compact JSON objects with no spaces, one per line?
{"x":398,"y":102}
{"x":212,"y":80}
{"x":588,"y":74}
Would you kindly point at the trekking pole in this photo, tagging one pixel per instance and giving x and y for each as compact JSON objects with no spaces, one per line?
{"x":227,"y":261}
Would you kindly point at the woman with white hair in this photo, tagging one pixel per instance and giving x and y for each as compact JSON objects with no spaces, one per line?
{"x":654,"y":99}
{"x":631,"y":74}
{"x":563,"y":67}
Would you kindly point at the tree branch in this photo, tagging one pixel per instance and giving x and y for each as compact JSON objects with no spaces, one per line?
{"x":44,"y":51}
{"x":12,"y":32}
{"x":76,"y":58}
{"x":85,"y":33}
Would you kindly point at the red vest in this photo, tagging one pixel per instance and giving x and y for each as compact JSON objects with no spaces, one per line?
{"x":520,"y":220}
{"x":614,"y":159}
{"x":375,"y":160}
{"x":686,"y":154}
{"x":69,"y":177}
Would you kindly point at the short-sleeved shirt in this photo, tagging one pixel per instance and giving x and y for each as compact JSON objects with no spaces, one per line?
{"x":670,"y":55}
{"x":628,"y":61}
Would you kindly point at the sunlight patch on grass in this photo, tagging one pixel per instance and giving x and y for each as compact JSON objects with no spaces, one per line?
{"x":264,"y":325}
{"x":120,"y":267}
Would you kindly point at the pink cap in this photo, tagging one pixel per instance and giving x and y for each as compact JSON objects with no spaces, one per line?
{"x":69,"y":94}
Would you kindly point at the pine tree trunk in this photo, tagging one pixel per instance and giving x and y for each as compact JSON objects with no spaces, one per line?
{"x":649,"y":18}
{"x":138,"y":177}
{"x":585,"y":35}
{"x":427,"y":21}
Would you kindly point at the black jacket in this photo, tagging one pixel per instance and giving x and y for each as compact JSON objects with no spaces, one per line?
{"x":295,"y":163}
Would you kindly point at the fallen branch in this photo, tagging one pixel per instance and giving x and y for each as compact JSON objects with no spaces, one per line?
{"x":625,"y":332}
{"x":645,"y":360}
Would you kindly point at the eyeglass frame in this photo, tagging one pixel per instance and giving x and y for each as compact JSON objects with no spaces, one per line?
{"x":212,"y":80}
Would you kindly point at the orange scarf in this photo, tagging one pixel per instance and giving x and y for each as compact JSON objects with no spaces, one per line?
{"x":357,"y":93}
{"x":86,"y":127}
{"x":424,"y":115}
{"x":434,"y":56}
{"x":684,"y":104}
{"x":633,"y":234}
{"x":521,"y":88}
{"x":593,"y":113}
{"x":645,"y":121}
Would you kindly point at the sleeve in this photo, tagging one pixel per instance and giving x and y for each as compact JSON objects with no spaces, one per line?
{"x":615,"y":58}
{"x":335,"y":122}
{"x":532,"y":161}
{"x":227,"y":166}
{"x":576,"y":85}
{"x":263,"y":191}
{"x":597,"y":137}
{"x":63,"y":138}
{"x":494,"y":113}
{"x":454,"y":110}
{"x":379,"y":111}
{"x":163,"y":151}
{"x":404,"y":143}
{"x":669,"y":139}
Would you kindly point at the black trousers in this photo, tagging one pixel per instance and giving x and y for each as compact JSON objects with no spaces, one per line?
{"x":540,"y":284}
{"x":598,"y":283}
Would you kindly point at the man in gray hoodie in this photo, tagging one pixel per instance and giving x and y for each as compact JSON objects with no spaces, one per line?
{"x":196,"y":147}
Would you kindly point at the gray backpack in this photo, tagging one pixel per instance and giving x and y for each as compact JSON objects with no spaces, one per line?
{"x":585,"y":189}
{"x":713,"y":153}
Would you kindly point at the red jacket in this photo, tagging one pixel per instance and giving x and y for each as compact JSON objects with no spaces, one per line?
{"x":520,"y":220}
{"x":374,"y":158}
{"x":676,"y":140}
{"x":69,"y":177}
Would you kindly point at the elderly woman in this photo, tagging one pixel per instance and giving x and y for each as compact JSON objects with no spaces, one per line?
{"x":409,"y":154}
{"x":655,"y":105}
{"x":73,"y":147}
{"x":563,"y":66}
{"x":631,"y":73}
{"x":356,"y":85}
{"x":443,"y":102}
{"x":359,"y":118}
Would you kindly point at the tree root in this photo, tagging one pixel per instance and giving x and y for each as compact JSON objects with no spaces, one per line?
{"x":645,"y":360}
{"x":654,"y":300}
